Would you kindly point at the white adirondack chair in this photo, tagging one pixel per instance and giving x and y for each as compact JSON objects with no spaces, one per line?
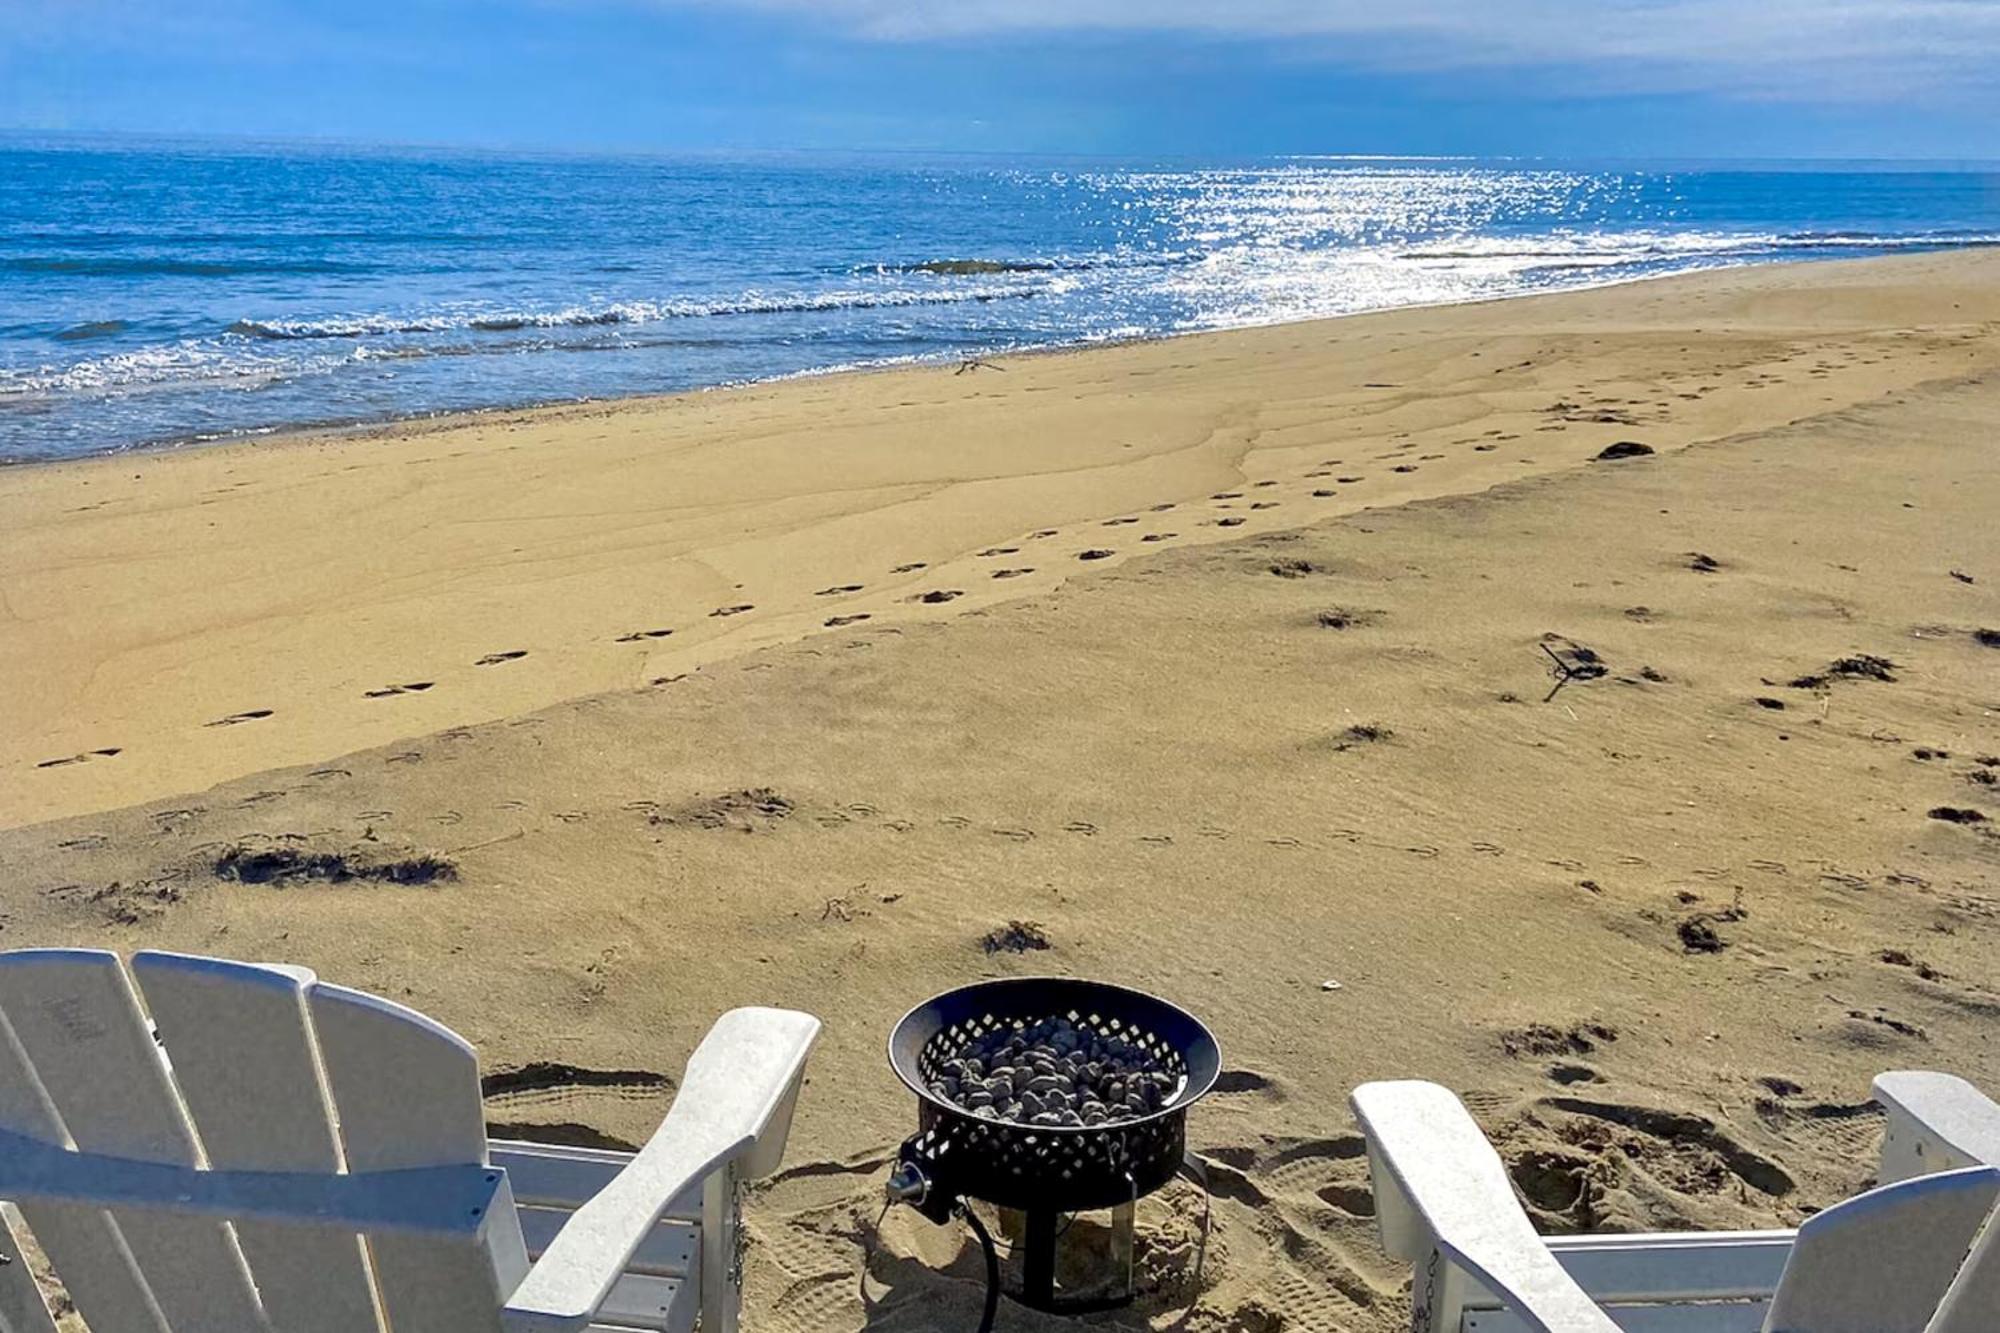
{"x":270,"y":1154}
{"x":1920,"y":1254}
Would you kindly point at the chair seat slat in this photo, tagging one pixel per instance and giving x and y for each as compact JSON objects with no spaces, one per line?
{"x":672,"y":1250}
{"x":554,"y":1176}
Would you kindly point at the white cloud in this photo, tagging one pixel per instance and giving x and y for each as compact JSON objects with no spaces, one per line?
{"x":1835,"y":49}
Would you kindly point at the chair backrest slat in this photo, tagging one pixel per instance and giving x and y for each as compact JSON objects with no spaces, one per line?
{"x":23,"y":1110}
{"x":78,"y":1022}
{"x":406,"y":1092}
{"x":241,"y":1049}
{"x":1885,"y":1259}
{"x":1972,"y":1305}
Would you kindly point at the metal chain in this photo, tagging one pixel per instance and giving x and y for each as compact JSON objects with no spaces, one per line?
{"x":742,"y":1233}
{"x":1421,"y":1317}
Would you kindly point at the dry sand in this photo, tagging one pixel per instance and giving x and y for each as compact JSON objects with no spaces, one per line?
{"x":1659,"y":929}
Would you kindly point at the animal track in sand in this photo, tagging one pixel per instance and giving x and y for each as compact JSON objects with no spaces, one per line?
{"x":495,"y":659}
{"x":998,"y":550}
{"x":840,"y":588}
{"x":1323,"y":495}
{"x":639,"y":634}
{"x":1095,"y":553}
{"x":736,"y":610}
{"x":1349,"y":481}
{"x":834,"y":622}
{"x":235,"y":719}
{"x":83,"y":758}
{"x":1011,"y":573}
{"x":1158,"y":536}
{"x":1162,"y":508}
{"x":1231,"y":522}
{"x":910,"y":568}
{"x":1404,"y":467}
{"x":1045,"y":532}
{"x":1265,"y":504}
{"x":938,"y":595}
{"x":1227,"y":495}
{"x":414,"y":687}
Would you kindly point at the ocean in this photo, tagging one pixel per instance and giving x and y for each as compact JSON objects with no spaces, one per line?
{"x":158,"y":292}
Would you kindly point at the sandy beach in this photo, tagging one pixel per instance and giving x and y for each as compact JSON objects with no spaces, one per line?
{"x":1225,"y":660}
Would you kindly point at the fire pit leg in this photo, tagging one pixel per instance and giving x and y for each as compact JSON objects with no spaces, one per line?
{"x":1038,"y":1260}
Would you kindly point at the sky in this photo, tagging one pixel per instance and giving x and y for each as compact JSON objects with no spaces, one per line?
{"x":1553,"y":78}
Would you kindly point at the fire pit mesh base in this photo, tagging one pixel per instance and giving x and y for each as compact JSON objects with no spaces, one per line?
{"x":1017,"y":1166}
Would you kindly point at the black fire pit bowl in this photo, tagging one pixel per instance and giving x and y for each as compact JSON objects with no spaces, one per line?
{"x":1057,"y":1168}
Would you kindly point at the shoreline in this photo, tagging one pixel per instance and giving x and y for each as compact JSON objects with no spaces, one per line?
{"x":371,"y":427}
{"x":180,"y":618}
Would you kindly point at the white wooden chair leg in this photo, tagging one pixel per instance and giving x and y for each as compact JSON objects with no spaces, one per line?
{"x":721,"y":1251}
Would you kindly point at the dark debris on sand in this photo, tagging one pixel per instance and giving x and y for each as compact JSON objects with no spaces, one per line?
{"x":1624,"y":449}
{"x":1862,"y":666}
{"x":291,"y":865}
{"x":1016,"y":937}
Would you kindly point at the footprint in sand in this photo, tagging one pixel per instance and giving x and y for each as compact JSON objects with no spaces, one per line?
{"x":1095,"y":553}
{"x":495,"y":659}
{"x":1349,"y":481}
{"x":1227,"y":495}
{"x":1117,"y":522}
{"x":834,"y":622}
{"x":414,"y":687}
{"x":1011,"y":573}
{"x":938,"y":595}
{"x":1228,"y":522}
{"x":736,"y":610}
{"x":80,"y":758}
{"x":1158,"y":536}
{"x":636,"y":635}
{"x":1322,"y":494}
{"x":1045,"y":532}
{"x":1265,"y":504}
{"x":1163,"y":508}
{"x":253,"y":715}
{"x":837,"y":589}
{"x":909,"y":568}
{"x":1484,"y":448}
{"x":1267,"y":483}
{"x":1404,"y":467}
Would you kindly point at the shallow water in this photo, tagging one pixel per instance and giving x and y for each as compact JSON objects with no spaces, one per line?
{"x":158,"y":292}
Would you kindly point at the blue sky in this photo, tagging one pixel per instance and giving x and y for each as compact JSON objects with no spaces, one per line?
{"x":1675,"y":78}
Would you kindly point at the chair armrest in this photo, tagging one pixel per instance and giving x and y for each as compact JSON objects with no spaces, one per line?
{"x":1439,"y":1186}
{"x":735,"y":1101}
{"x":1936,"y":1123}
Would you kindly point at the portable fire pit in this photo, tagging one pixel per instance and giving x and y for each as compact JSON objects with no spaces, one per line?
{"x":1047,"y":1097}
